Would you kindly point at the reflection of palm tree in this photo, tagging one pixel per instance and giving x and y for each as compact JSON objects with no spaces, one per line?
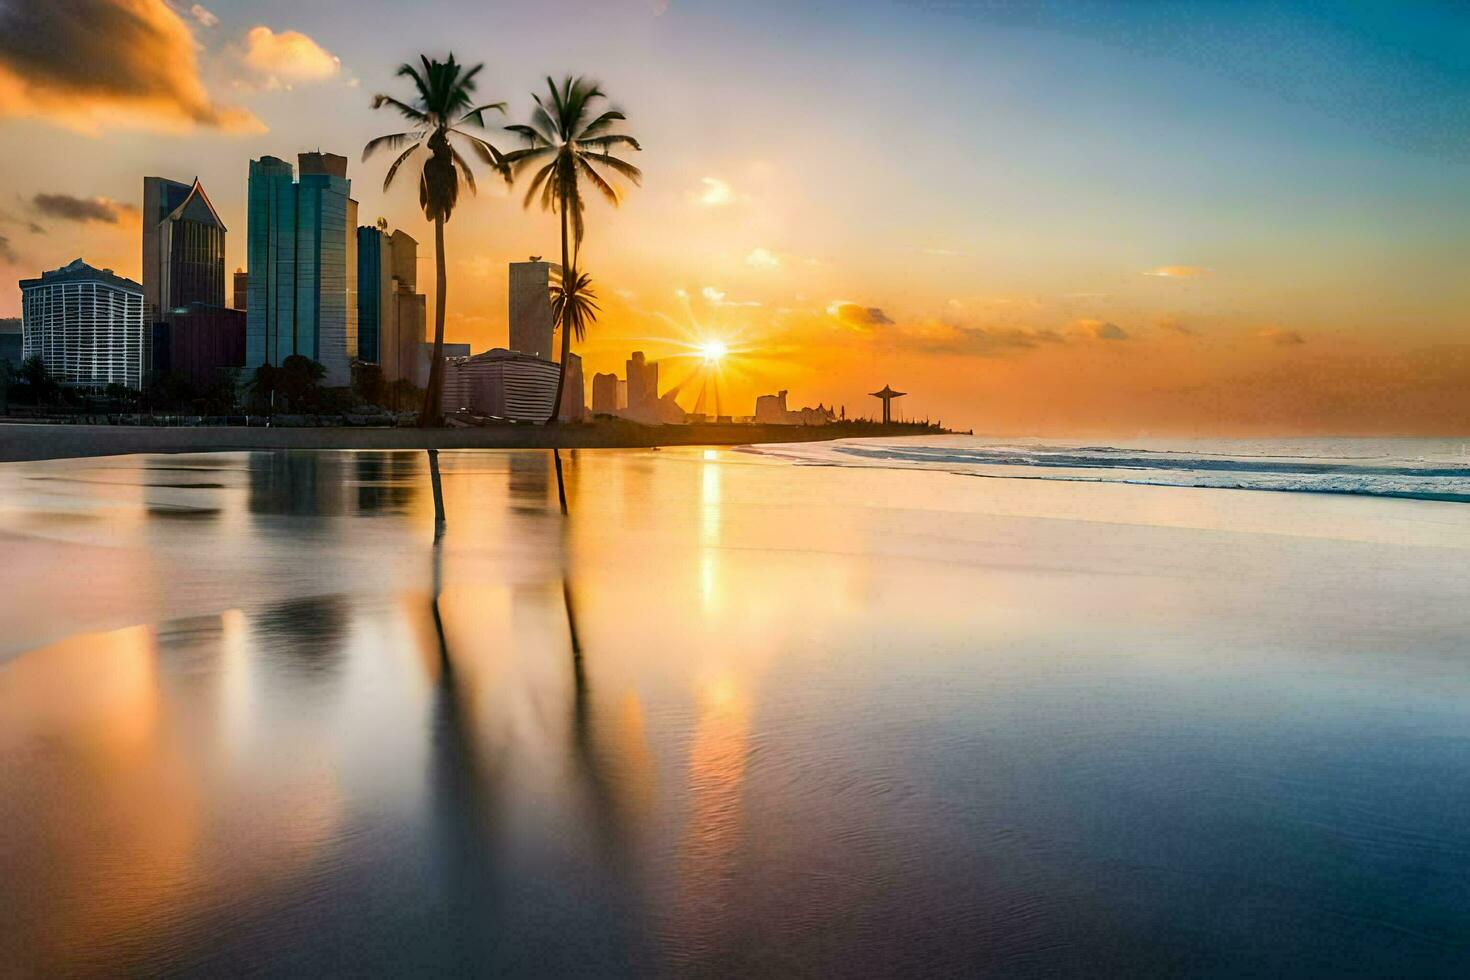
{"x":442,"y":107}
{"x":438,"y":493}
{"x":571,"y":142}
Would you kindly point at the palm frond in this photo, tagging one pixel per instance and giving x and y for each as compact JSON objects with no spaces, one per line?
{"x":408,"y":112}
{"x":596,"y":180}
{"x":537,"y":181}
{"x":477,"y":114}
{"x":390,"y":142}
{"x":622,"y":167}
{"x":398,"y":163}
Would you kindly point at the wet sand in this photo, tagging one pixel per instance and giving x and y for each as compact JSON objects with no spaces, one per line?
{"x":728,"y":715}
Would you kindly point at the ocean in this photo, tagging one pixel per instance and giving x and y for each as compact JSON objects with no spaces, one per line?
{"x":1424,"y":469}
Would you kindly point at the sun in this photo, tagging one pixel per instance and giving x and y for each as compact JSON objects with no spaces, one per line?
{"x":713,"y":350}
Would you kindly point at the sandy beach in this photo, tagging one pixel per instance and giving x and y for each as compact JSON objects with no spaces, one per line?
{"x":25,"y":441}
{"x":730,"y":712}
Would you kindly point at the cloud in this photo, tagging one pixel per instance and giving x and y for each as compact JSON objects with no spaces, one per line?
{"x":203,"y":16}
{"x":1100,"y":329}
{"x":104,"y":210}
{"x":287,"y":57}
{"x":714,"y":193}
{"x":1177,"y":272}
{"x":939,"y":337}
{"x":1281,"y":337}
{"x":944,"y":252}
{"x":7,"y":253}
{"x":858,"y":316}
{"x":88,"y":65}
{"x":763,"y":258}
{"x":1172,"y":324}
{"x":715,"y":297}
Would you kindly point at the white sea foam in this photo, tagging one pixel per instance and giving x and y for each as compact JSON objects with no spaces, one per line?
{"x":1429,"y":469}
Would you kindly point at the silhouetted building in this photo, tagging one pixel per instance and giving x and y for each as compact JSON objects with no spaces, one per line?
{"x":12,"y":341}
{"x":642,"y":381}
{"x":574,"y":394}
{"x":242,"y":289}
{"x":302,"y":264}
{"x":531,"y":324}
{"x":199,"y":341}
{"x":86,"y":324}
{"x":772,"y":410}
{"x":604,"y":394}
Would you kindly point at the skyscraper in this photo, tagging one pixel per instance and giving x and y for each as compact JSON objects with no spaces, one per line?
{"x":604,"y":394}
{"x":377,"y":309}
{"x":85,"y":324}
{"x":242,"y":285}
{"x":183,"y":249}
{"x":302,"y":258}
{"x":642,"y":381}
{"x":574,"y":395}
{"x":530,"y":307}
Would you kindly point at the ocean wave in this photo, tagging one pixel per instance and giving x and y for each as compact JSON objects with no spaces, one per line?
{"x":1415,"y":469}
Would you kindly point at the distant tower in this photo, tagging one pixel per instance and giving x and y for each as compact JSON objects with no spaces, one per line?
{"x":242,"y":289}
{"x":886,"y":396}
{"x":530,"y":307}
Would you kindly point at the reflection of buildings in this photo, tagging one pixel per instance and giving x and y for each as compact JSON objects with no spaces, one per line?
{"x":772,"y":410}
{"x":302,"y":257}
{"x":86,"y":324}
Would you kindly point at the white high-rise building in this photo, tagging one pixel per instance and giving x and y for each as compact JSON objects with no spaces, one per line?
{"x":86,"y":325}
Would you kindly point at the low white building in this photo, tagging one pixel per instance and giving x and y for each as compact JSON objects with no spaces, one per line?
{"x":85,"y":324}
{"x":507,"y":384}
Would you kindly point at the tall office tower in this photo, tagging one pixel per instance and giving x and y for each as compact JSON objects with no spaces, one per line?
{"x":242,"y":282}
{"x":377,"y":307}
{"x":642,"y":381}
{"x":302,"y":264}
{"x":412,"y":331}
{"x":86,"y":324}
{"x":604,"y":394}
{"x":183,"y":248}
{"x":530,"y":308}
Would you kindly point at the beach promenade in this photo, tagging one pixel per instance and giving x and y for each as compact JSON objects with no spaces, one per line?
{"x":26,"y":441}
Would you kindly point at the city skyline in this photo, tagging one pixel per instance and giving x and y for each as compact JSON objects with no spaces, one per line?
{"x":1106,"y":255}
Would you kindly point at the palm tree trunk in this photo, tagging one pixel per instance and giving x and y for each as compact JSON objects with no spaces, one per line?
{"x":433,"y":414}
{"x":566,"y":337}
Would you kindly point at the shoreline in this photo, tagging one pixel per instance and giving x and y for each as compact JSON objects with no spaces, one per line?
{"x":30,"y":442}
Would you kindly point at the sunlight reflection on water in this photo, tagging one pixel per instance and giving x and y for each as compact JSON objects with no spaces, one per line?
{"x":815,"y":721}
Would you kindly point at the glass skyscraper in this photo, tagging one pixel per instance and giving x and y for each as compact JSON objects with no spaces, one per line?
{"x":301,"y":251}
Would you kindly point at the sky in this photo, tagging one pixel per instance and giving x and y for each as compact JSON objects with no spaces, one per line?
{"x":1051,"y":218}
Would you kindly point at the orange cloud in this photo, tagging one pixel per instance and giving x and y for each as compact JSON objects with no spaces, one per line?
{"x":857,"y":316}
{"x":289,"y":56}
{"x":1100,"y":330}
{"x":1281,"y":337}
{"x":1177,"y":272}
{"x":88,"y":65}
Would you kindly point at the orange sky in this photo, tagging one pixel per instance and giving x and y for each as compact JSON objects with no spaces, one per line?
{"x":1032,"y":223}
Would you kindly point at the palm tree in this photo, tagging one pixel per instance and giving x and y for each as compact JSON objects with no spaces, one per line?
{"x":441,"y":107}
{"x":571,"y":141}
